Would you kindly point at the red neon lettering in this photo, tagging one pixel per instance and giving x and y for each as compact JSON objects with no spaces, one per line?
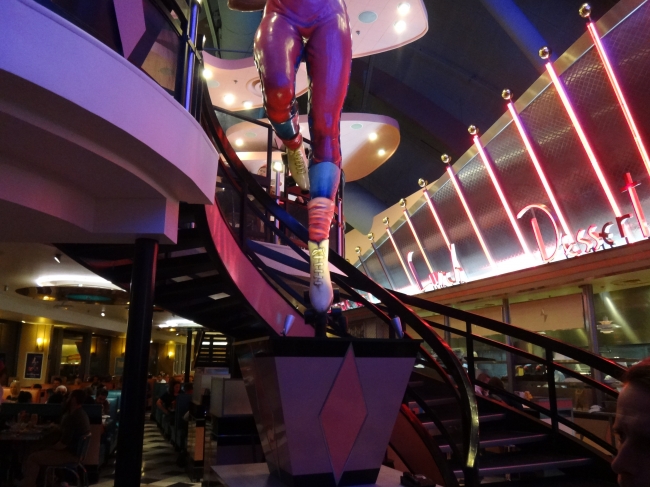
{"x":546,"y":257}
{"x":606,"y":235}
{"x":585,"y":238}
{"x":571,"y":248}
{"x":630,"y":187}
{"x":596,"y":236}
{"x":620,"y":220}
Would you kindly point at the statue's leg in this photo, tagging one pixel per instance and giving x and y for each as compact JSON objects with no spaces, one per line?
{"x":329,"y":60}
{"x":278,"y":49}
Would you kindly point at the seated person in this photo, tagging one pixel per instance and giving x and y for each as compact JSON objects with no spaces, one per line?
{"x":59,"y":395}
{"x":14,"y":390}
{"x":102,"y":394}
{"x":24,"y":397}
{"x":56,"y":382}
{"x":74,"y":426}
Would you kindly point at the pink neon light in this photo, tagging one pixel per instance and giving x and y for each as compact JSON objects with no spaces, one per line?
{"x":399,"y":255}
{"x":417,"y":240}
{"x":583,"y":138}
{"x":436,"y":217}
{"x":469,"y":215}
{"x":619,"y":94}
{"x":502,"y":196}
{"x":538,"y":168}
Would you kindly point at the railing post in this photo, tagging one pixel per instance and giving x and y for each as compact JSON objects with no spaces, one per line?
{"x":552,"y":394}
{"x":592,"y":332}
{"x":447,"y":323}
{"x":242,"y":213}
{"x":469,"y":342}
{"x":340,"y":221}
{"x":510,"y":360}
{"x":191,"y":57}
{"x":188,"y":355}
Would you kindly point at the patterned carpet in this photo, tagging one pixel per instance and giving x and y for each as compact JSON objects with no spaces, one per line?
{"x":159,"y":460}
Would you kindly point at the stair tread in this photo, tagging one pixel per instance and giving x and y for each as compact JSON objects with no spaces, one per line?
{"x":500,"y":464}
{"x":503,"y":438}
{"x":555,"y":482}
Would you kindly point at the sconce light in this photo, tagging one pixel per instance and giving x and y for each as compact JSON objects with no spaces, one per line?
{"x":39,"y":344}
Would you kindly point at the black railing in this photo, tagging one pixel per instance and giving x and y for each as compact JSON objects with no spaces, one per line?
{"x":255,"y":201}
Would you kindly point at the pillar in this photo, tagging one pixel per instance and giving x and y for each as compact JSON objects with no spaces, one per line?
{"x":134,"y":390}
{"x":510,"y":360}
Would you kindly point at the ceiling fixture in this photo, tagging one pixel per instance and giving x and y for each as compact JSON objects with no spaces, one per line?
{"x":57,"y":258}
{"x":278,"y":166}
{"x":229,"y":99}
{"x":381,"y":152}
{"x":239,"y":142}
{"x":73,"y":280}
{"x":372,"y":136}
{"x":248,"y":104}
{"x":607,"y":326}
{"x":367,"y":17}
{"x":403,"y":8}
{"x":103,"y":313}
{"x":207,"y":74}
{"x":400,"y":26}
{"x":356,"y":126}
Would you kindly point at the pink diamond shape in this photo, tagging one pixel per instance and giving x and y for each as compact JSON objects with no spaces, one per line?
{"x":343,"y":414}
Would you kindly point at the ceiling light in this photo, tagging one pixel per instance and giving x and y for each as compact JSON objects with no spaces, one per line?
{"x":102,"y":314}
{"x":248,"y":104}
{"x":207,"y":74}
{"x":73,"y":280}
{"x":400,"y":26}
{"x":150,"y":341}
{"x":403,"y":8}
{"x":239,"y":142}
{"x":356,"y":126}
{"x":381,"y":152}
{"x":229,"y":99}
{"x":278,"y":166}
{"x":57,"y":258}
{"x":372,"y":136}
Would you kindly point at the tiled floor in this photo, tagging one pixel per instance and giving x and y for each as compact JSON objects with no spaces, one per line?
{"x":159,"y":459}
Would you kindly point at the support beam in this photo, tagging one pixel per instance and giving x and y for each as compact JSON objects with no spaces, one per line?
{"x":591,"y":325}
{"x":128,"y":468}
{"x":188,"y":355}
{"x":521,"y":30}
{"x":510,"y":360}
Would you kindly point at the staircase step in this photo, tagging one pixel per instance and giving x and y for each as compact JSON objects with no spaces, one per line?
{"x":557,"y":481}
{"x":491,"y":439}
{"x":520,"y":462}
{"x":448,"y":420}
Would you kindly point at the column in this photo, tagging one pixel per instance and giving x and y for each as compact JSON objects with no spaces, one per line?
{"x":134,"y":390}
{"x":510,"y":360}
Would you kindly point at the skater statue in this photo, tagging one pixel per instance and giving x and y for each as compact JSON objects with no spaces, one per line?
{"x":319,"y":30}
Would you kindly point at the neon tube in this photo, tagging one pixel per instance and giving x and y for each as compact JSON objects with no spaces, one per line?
{"x":538,"y":167}
{"x":583,"y":138}
{"x":436,"y":217}
{"x":452,"y":176}
{"x":488,"y":165}
{"x":399,"y":255}
{"x":591,"y":27}
{"x":417,"y":240}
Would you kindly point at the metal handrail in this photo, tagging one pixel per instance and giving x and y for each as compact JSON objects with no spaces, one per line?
{"x":357,"y":280}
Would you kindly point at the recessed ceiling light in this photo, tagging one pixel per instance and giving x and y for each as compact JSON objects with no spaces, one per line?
{"x":400,"y":26}
{"x":207,"y":74}
{"x":250,"y":134}
{"x":381,"y":152}
{"x":229,"y":99}
{"x":239,"y":142}
{"x":356,"y":126}
{"x":57,"y":258}
{"x":372,"y":136}
{"x":248,"y":104}
{"x":367,"y":17}
{"x":403,"y":8}
{"x":102,"y":314}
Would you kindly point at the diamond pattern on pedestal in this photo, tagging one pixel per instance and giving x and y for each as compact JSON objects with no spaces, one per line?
{"x":343,"y":414}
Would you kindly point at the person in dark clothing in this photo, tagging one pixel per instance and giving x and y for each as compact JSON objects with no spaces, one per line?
{"x":497,"y":383}
{"x":74,"y":426}
{"x":59,"y":395}
{"x":102,"y":394}
{"x":24,"y":397}
{"x":167,"y":404}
